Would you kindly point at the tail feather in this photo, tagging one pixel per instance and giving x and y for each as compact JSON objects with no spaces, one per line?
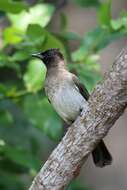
{"x":101,"y":155}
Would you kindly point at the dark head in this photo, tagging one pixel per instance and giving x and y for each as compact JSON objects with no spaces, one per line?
{"x":50,"y":57}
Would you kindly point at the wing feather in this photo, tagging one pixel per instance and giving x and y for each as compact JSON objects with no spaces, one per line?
{"x":81,"y":87}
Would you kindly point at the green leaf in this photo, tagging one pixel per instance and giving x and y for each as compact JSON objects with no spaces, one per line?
{"x":90,"y":78}
{"x":7,"y":64}
{"x":70,"y":36}
{"x":116,"y":24}
{"x":94,"y":41}
{"x":35,"y":34}
{"x":38,"y":14}
{"x":3,"y":59}
{"x":119,"y":23}
{"x":21,"y":157}
{"x":90,"y":43}
{"x":53,"y":42}
{"x":12,"y":35}
{"x":6,"y":118}
{"x":38,"y":39}
{"x":104,"y":14}
{"x":16,"y":124}
{"x":77,"y":185}
{"x":42,"y":115}
{"x":12,"y":6}
{"x":34,"y":76}
{"x":7,"y":90}
{"x":63,"y":22}
{"x":88,"y":71}
{"x":3,"y":90}
{"x":33,"y":41}
{"x":20,"y":55}
{"x":8,"y":181}
{"x":87,"y":3}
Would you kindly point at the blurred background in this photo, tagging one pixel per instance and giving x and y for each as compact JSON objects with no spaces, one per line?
{"x":90,"y":33}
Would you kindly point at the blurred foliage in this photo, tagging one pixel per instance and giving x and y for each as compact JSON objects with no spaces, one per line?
{"x":27,"y":120}
{"x":87,"y":3}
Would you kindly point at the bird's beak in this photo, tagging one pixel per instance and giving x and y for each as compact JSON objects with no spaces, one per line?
{"x":38,"y":55}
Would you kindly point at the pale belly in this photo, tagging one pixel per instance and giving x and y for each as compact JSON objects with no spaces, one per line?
{"x":68,"y":103}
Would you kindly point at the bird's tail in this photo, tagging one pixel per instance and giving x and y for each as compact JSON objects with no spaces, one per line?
{"x":101,"y":155}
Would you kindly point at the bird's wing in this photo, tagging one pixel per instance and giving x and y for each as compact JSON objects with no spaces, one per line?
{"x":81,"y":87}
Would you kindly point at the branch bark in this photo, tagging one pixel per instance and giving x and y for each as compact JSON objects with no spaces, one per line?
{"x":106,"y":104}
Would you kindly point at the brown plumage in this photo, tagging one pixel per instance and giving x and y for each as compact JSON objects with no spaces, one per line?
{"x":68,"y":96}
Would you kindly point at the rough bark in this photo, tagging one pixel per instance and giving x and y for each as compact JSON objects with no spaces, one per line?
{"x":106,"y":104}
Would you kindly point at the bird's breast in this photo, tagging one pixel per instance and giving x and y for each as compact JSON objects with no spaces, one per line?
{"x":68,"y":102}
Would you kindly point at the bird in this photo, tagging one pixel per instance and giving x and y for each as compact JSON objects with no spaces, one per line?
{"x":68,"y":96}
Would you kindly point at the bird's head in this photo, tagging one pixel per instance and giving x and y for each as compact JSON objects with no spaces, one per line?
{"x":50,"y":57}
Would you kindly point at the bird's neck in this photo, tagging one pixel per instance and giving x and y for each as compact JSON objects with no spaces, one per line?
{"x":56,"y":68}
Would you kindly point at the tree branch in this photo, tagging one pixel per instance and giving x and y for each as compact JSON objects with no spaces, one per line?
{"x":106,"y":104}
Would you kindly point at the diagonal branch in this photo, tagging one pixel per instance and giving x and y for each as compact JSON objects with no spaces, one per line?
{"x":106,"y":104}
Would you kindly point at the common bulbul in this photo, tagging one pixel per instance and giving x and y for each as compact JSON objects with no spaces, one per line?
{"x":68,"y":96}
